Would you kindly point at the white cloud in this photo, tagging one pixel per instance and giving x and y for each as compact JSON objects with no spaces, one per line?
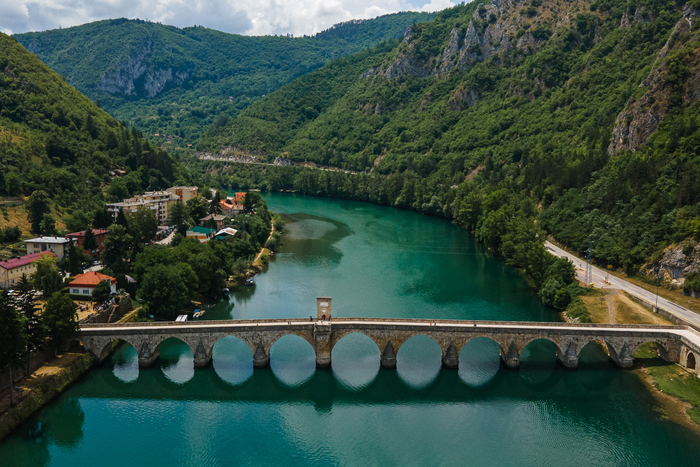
{"x":251,"y":17}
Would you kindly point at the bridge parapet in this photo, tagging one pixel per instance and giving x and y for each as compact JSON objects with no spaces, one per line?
{"x":676,"y":343}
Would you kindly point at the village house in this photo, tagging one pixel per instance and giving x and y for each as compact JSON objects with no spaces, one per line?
{"x":11,"y":270}
{"x":225,"y":232}
{"x":159,"y":202}
{"x":218,"y":218}
{"x":56,"y":245}
{"x":185,"y":193}
{"x":230,"y":208}
{"x":79,"y":237}
{"x":84,"y":284}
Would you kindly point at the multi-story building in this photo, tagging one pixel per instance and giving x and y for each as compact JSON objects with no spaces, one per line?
{"x":56,"y":245}
{"x":79,"y":237}
{"x":159,"y":202}
{"x":11,"y":270}
{"x":185,"y":193}
{"x":230,"y":208}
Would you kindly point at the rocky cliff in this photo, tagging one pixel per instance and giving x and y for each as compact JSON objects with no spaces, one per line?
{"x":675,"y":70}
{"x":676,"y":263}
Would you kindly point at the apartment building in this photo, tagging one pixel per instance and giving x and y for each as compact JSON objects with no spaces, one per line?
{"x":159,"y":202}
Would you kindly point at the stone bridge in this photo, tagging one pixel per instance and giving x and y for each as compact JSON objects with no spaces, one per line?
{"x":678,"y":344}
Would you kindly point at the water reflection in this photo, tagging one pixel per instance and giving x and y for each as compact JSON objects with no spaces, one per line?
{"x":479,"y":361}
{"x":310,"y":240}
{"x":538,"y":363}
{"x":355,"y":361}
{"x":418,"y":361}
{"x":293,"y":360}
{"x":176,"y":360}
{"x":126,"y":363}
{"x":232,"y":360}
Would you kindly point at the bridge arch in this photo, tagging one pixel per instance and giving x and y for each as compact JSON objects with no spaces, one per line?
{"x":232,"y":359}
{"x":419,"y":360}
{"x":181,"y":369}
{"x":690,"y":362}
{"x":292,"y":359}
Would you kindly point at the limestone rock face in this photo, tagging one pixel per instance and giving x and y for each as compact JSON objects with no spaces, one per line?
{"x":462,"y":99}
{"x":640,"y":119}
{"x":675,"y":265}
{"x":121,"y":80}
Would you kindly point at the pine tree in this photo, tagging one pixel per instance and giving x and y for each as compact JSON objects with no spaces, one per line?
{"x":33,"y":330}
{"x":102,"y":219}
{"x":13,"y":340}
{"x":89,"y":242}
{"x":37,"y":206}
{"x":215,"y":201}
{"x":121,"y":219}
{"x":74,"y":265}
{"x":59,"y":318}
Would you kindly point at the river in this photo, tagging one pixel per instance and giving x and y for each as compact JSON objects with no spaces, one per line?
{"x":375,"y":262}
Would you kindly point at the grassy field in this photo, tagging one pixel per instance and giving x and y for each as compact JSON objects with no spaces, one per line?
{"x":671,"y":379}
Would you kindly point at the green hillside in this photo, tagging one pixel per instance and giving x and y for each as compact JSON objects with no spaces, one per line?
{"x":174,"y":81}
{"x":515,"y":119}
{"x":53,"y":138}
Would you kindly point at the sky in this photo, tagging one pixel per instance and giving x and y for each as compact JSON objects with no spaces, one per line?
{"x":250,"y":17}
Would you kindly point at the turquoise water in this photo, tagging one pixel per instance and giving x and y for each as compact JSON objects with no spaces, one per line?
{"x":373,"y":261}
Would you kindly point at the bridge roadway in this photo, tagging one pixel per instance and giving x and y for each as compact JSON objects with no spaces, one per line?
{"x":678,"y":344}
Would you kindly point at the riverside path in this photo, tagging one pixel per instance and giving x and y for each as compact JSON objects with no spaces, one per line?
{"x":678,"y":344}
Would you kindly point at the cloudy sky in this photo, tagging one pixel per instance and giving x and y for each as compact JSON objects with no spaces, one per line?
{"x":252,"y":17}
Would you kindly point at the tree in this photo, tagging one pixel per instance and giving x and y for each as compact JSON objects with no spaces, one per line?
{"x":47,"y":278}
{"x":101,"y":292}
{"x":13,"y":183}
{"x":215,"y":201}
{"x":48,"y":225}
{"x":75,"y":266}
{"x":34,"y":329}
{"x":166,"y":289}
{"x":37,"y":206}
{"x":250,"y":200}
{"x":143,"y":225}
{"x":59,"y":318}
{"x":178,"y":217}
{"x":102,"y":218}
{"x":89,"y":241}
{"x":78,"y":221}
{"x":115,"y":248}
{"x":197,"y":208}
{"x":13,"y":340}
{"x":121,"y":218}
{"x":206,"y":192}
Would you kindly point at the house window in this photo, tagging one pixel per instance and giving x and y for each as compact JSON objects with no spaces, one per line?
{"x":76,"y":291}
{"x":86,"y":292}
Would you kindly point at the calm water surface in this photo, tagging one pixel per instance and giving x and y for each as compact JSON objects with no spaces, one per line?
{"x":374,"y":262}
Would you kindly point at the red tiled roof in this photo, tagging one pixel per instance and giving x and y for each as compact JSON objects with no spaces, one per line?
{"x":239,"y":197}
{"x":82,"y":233}
{"x":23,"y":260}
{"x":90,"y":279}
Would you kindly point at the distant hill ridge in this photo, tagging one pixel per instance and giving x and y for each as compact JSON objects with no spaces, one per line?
{"x":136,"y":69}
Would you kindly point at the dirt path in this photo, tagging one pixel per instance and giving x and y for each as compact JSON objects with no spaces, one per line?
{"x":27,"y":384}
{"x":262,"y":250}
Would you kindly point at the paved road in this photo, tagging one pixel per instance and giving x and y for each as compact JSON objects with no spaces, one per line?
{"x":168,"y":239}
{"x":599,"y":277}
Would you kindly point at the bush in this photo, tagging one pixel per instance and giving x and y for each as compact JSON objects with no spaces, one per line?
{"x":688,"y":247}
{"x":577,"y":311}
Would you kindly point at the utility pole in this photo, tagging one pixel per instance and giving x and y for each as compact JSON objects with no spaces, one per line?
{"x":589,"y":270}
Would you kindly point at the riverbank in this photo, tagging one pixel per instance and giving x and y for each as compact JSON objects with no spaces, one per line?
{"x":676,"y":388}
{"x":43,"y":386}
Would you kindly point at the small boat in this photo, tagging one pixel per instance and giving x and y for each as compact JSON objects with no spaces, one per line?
{"x":181,"y":318}
{"x":250,"y":281}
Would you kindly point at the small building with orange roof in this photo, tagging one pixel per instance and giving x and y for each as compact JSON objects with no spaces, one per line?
{"x":84,"y":284}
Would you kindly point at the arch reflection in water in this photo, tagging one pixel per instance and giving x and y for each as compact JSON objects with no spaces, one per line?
{"x":538,"y":362}
{"x":595,"y":367}
{"x":479,"y":361}
{"x":176,"y":360}
{"x":419,"y":361}
{"x":355,"y":361}
{"x":232,"y":360}
{"x":126,"y":363}
{"x":293,"y":360}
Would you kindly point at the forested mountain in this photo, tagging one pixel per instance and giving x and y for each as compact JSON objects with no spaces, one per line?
{"x":173,"y":81}
{"x":52,"y":138}
{"x":515,"y":118}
